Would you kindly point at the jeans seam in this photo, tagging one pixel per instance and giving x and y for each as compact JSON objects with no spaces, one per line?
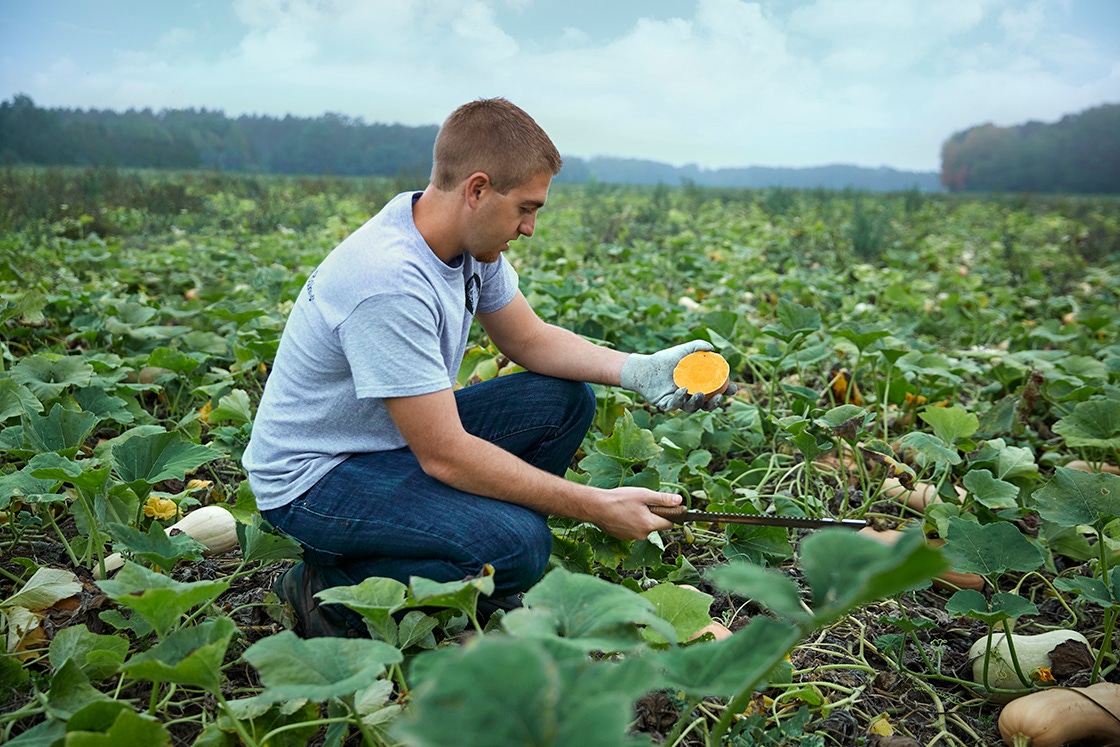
{"x":386,"y":525}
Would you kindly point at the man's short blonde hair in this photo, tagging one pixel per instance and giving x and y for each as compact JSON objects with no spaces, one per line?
{"x":497,"y":138}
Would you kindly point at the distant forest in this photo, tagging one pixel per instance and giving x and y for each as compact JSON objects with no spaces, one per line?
{"x":336,"y":144}
{"x":1080,"y":153}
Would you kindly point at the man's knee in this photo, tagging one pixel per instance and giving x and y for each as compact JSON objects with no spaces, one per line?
{"x":524,"y":565}
{"x":578,"y":399}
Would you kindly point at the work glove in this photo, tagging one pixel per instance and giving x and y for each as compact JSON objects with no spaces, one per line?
{"x":652,"y":377}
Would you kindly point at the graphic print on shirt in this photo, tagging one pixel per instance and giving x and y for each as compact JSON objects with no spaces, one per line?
{"x":472,"y":290}
{"x":311,"y":285}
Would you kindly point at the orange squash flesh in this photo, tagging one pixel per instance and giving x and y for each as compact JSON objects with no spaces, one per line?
{"x":702,"y":371}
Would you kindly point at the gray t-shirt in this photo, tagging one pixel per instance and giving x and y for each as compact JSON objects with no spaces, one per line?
{"x":382,"y":316}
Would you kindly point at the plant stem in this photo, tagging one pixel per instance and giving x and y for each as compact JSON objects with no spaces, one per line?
{"x":11,"y":577}
{"x":1106,"y":643}
{"x":246,"y":738}
{"x":678,"y":727}
{"x":62,"y":539}
{"x":153,"y":702}
{"x":368,"y":736}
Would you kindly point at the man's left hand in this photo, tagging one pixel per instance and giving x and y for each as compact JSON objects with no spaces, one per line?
{"x":652,"y":377}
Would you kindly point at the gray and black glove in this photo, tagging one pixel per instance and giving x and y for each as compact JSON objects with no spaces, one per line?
{"x":652,"y":377}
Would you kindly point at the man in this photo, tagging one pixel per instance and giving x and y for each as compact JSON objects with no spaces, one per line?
{"x":361,"y":449}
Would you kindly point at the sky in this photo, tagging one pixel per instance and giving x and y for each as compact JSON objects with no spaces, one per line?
{"x":716,"y":83}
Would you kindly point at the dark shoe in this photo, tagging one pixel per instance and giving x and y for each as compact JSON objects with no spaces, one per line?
{"x":489,"y":607}
{"x":312,"y":619}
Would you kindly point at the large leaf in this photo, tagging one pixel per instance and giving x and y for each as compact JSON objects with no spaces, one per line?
{"x":861,"y":335}
{"x":1094,"y":590}
{"x":628,"y":444}
{"x":588,"y":612}
{"x":793,"y":319}
{"x":845,"y":570}
{"x":990,"y":491}
{"x":513,"y":691}
{"x":969,"y":603}
{"x":22,"y":484}
{"x":234,"y":408}
{"x":62,"y":430}
{"x":1074,"y":497}
{"x":104,"y":406}
{"x":160,"y":600}
{"x":1010,"y":462}
{"x":98,"y":656}
{"x":931,"y":448}
{"x":375,"y":599}
{"x":758,"y":544}
{"x":47,"y":376}
{"x":159,"y":456}
{"x":70,"y":691}
{"x":175,"y":360}
{"x":950,"y":424}
{"x":725,"y":668}
{"x":257,"y":543}
{"x":45,"y":587}
{"x":319,"y":668}
{"x":16,"y":399}
{"x":129,"y":728}
{"x":989,"y":549}
{"x":155,"y":547}
{"x":191,"y":656}
{"x":461,"y":595}
{"x":685,"y":609}
{"x":1095,"y":423}
{"x":769,"y":588}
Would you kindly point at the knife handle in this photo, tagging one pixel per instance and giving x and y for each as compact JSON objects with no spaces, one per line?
{"x":675,"y":514}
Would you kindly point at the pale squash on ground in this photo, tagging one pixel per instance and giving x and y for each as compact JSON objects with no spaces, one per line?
{"x":212,"y":526}
{"x":922,"y":495}
{"x":1032,"y":651}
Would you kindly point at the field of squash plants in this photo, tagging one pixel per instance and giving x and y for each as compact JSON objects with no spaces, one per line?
{"x":945,"y":368}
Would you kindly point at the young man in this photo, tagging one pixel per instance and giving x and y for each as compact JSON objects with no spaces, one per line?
{"x":361,"y":449}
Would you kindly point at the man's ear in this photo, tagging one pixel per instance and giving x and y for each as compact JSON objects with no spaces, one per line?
{"x":475,"y":186}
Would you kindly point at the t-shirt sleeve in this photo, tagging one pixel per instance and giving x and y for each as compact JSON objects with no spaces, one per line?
{"x":498,"y":288}
{"x":393,"y":348}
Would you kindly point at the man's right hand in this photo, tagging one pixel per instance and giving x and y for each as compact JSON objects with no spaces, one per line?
{"x":624,"y":512}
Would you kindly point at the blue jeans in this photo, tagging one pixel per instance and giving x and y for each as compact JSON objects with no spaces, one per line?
{"x":379,"y":515}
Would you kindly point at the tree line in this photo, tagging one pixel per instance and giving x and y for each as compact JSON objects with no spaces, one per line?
{"x":1081,"y":153}
{"x":1078,"y":154}
{"x":202,"y":138}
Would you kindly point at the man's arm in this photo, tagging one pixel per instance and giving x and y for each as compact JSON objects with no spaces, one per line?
{"x":553,"y":351}
{"x":431,"y":426}
{"x":547,"y":349}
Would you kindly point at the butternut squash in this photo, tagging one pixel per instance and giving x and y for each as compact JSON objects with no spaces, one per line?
{"x":922,"y":495}
{"x":1032,"y":651}
{"x":702,"y":371}
{"x":1050,"y":718}
{"x":212,"y":526}
{"x":950,"y":579}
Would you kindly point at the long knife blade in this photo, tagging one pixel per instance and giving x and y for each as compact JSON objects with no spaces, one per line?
{"x":681,"y":515}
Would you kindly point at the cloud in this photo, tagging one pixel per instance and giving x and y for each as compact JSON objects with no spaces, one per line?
{"x":177,"y":37}
{"x":720,"y":83}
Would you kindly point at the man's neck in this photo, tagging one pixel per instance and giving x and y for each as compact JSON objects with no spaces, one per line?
{"x":435,"y":216}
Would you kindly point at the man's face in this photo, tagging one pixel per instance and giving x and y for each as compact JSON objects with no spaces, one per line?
{"x":501,"y":219}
